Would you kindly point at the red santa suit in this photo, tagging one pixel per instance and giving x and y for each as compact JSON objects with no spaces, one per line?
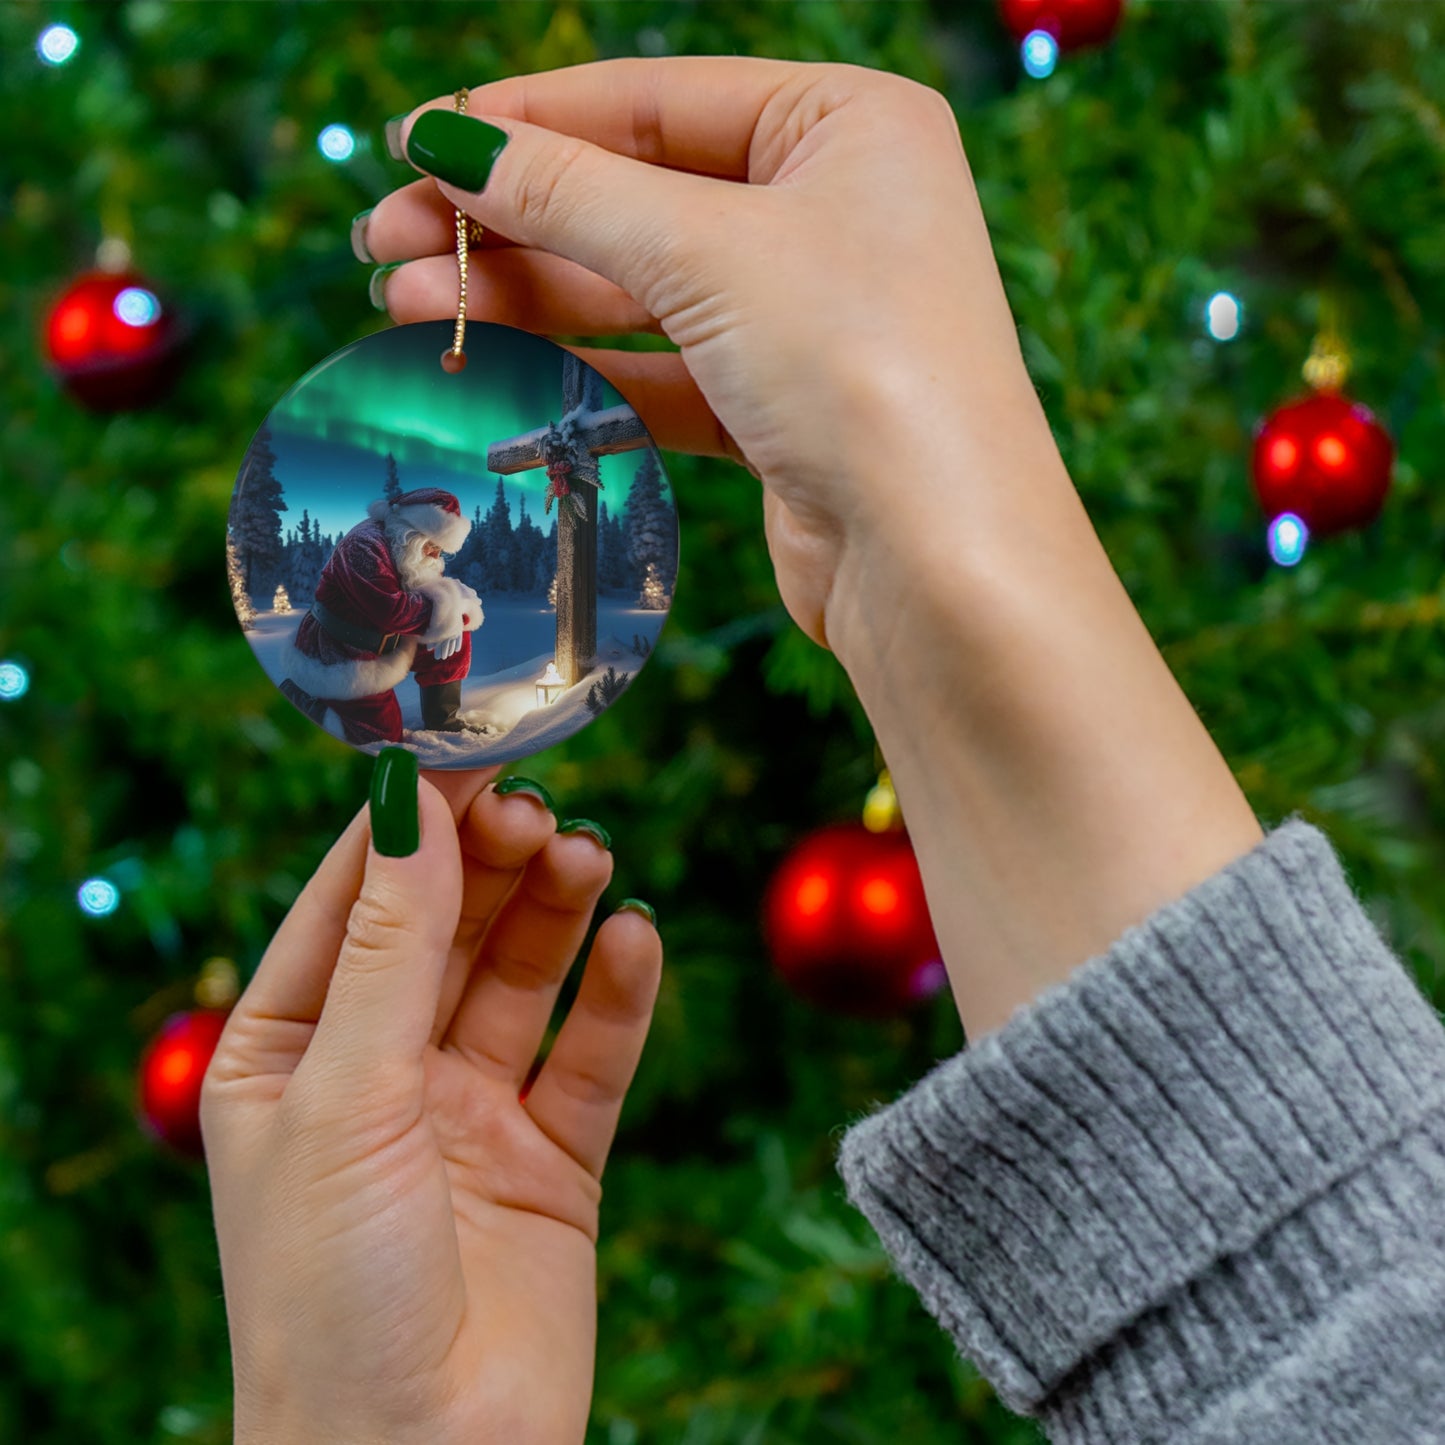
{"x":370,"y":630}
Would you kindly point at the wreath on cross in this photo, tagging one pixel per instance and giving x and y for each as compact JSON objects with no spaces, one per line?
{"x":561,"y":483}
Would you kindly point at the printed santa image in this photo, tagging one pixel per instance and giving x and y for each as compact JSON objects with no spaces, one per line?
{"x":383,"y":608}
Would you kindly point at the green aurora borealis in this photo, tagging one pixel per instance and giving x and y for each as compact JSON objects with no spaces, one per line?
{"x":387,"y":393}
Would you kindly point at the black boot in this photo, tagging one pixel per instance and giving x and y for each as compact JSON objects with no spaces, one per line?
{"x":439,"y":705}
{"x":313,"y":707}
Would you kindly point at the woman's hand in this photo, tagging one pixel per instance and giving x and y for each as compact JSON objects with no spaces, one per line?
{"x":407,"y":1235}
{"x":808,"y":235}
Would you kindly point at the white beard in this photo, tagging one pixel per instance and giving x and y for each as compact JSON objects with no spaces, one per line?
{"x":413,"y":566}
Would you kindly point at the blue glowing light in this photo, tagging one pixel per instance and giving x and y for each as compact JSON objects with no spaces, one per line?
{"x":14,"y":681}
{"x":98,"y":897}
{"x":1223,"y":316}
{"x":1288,"y":538}
{"x":57,"y":44}
{"x":137,"y":307}
{"x":1040,"y":53}
{"x":337,"y":143}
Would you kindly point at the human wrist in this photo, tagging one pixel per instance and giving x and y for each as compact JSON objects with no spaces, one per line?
{"x":1057,"y":784}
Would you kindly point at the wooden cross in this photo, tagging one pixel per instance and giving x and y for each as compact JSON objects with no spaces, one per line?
{"x":589,"y":436}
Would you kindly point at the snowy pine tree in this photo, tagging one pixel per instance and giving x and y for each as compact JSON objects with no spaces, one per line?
{"x":393,"y":480}
{"x":245,"y":613}
{"x":613,"y":568}
{"x":527,"y":543}
{"x":305,"y":559}
{"x":467,"y":563}
{"x":256,"y":508}
{"x":651,"y":526}
{"x":654,"y":595}
{"x":280,"y":602}
{"x":497,"y":543}
{"x":545,"y":575}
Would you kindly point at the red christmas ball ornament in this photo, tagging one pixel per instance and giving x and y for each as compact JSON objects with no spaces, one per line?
{"x":171,"y":1072}
{"x":1324,"y":458}
{"x":112,"y":341}
{"x":1073,"y":23}
{"x":847,"y":923}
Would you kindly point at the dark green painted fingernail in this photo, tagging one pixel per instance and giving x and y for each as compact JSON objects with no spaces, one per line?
{"x":395,"y":820}
{"x":359,"y":247}
{"x":455,"y":148}
{"x":636,"y":905}
{"x":586,"y":825}
{"x":527,"y":786}
{"x":377,"y":287}
{"x":393,"y":136}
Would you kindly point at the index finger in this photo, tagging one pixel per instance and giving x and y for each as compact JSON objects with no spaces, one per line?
{"x":696,"y":113}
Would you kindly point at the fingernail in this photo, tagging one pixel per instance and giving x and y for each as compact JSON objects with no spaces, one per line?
{"x":395,"y":820}
{"x":455,"y":148}
{"x":359,"y":248}
{"x":636,"y":905}
{"x":376,"y":287}
{"x":586,"y":825}
{"x":527,"y":786}
{"x":393,"y":137}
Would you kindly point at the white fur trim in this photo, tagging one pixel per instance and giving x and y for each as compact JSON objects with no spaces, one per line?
{"x":445,"y":528}
{"x":356,"y":677}
{"x":451,"y":602}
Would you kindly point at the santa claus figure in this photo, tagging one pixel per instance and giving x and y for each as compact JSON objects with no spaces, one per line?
{"x":383,"y":609}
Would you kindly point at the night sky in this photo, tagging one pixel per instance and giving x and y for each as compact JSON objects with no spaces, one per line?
{"x":387,"y":393}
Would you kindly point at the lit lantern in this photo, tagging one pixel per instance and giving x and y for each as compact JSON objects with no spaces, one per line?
{"x":550,"y":685}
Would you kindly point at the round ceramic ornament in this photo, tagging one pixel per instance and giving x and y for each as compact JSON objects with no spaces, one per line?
{"x":470,"y":561}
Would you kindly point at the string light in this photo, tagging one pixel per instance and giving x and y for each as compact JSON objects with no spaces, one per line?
{"x":14,"y":681}
{"x":1223,"y":316}
{"x":1288,"y":538}
{"x":137,"y":307}
{"x":1040,"y":52}
{"x":336,"y":143}
{"x":57,"y":44}
{"x":98,"y":897}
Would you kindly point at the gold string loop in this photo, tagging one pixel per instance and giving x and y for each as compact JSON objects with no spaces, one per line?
{"x":471,"y":231}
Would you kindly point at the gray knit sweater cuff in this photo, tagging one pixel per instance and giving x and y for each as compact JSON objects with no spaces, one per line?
{"x":1127,"y":1196}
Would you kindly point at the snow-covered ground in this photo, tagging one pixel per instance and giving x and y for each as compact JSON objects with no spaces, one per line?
{"x":510,"y":651}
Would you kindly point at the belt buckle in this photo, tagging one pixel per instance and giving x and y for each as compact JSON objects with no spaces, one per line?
{"x":389,"y":642}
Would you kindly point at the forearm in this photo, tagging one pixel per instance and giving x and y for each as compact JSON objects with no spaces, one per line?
{"x":1057,"y":784}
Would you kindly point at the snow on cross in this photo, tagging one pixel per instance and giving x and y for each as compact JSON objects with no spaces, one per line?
{"x":583,"y":434}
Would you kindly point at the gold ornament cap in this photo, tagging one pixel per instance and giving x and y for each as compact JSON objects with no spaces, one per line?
{"x":881,"y":812}
{"x":219,"y":985}
{"x":1328,"y":366}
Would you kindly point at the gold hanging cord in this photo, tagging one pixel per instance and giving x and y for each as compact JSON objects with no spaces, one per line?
{"x":471,"y":231}
{"x":1328,"y":366}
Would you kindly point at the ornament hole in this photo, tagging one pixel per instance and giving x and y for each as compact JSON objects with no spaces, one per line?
{"x":453,"y":361}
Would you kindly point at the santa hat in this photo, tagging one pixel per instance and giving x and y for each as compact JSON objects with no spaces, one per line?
{"x":433,"y":512}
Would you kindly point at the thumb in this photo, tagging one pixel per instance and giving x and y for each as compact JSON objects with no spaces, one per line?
{"x":382,"y":1000}
{"x":634,"y":224}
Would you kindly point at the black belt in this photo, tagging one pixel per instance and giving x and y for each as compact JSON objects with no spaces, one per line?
{"x":353,"y":636}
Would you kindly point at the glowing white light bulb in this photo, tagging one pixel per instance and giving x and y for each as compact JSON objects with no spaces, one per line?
{"x":1040,"y":53}
{"x":336,"y":143}
{"x":98,"y":897}
{"x":137,"y":307}
{"x":57,"y":44}
{"x":14,"y":681}
{"x":1223,"y":316}
{"x":1288,"y":538}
